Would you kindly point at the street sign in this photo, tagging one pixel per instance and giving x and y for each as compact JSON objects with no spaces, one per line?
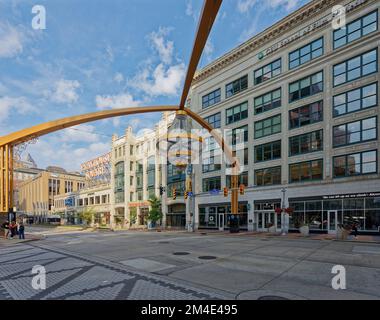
{"x":214,"y":191}
{"x":190,"y":194}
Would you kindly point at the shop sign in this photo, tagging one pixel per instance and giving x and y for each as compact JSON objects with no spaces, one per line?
{"x":139,"y":204}
{"x":350,"y":196}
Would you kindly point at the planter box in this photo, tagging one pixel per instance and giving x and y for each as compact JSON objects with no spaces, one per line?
{"x":304,"y":230}
{"x":272,"y":229}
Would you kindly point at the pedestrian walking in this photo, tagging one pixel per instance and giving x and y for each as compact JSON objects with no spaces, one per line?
{"x":355,"y":230}
{"x":5,"y":226}
{"x":21,"y":230}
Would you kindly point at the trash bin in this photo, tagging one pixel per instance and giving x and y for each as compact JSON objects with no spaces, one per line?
{"x":234,"y":224}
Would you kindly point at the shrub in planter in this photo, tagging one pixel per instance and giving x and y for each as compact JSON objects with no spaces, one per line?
{"x":304,"y":230}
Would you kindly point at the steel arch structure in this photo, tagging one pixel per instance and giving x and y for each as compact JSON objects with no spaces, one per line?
{"x":8,"y":142}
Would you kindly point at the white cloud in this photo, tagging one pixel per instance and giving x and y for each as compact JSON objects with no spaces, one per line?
{"x":116,"y":102}
{"x":118,"y":77}
{"x":165,"y":48}
{"x":65,"y":91}
{"x":80,"y":133}
{"x":163,"y":81}
{"x":209,"y":50}
{"x":11,"y":41}
{"x":17,"y":105}
{"x":50,"y":150}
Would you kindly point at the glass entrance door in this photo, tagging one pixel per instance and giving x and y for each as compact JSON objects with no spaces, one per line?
{"x":332,"y":221}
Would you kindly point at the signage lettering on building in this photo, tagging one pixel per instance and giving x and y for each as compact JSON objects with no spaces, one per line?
{"x":356,"y":195}
{"x":139,"y":204}
{"x":316,"y":25}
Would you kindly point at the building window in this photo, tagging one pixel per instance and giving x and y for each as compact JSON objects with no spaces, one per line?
{"x":355,"y":68}
{"x":306,"y":171}
{"x":131,"y":166}
{"x":214,"y":120}
{"x":355,"y":132}
{"x":306,"y":87}
{"x":131,"y":150}
{"x":178,"y":186}
{"x":119,"y":182}
{"x":236,"y":86}
{"x":211,"y":157}
{"x":151,"y":171}
{"x":355,"y":30}
{"x":268,"y":126}
{"x":213,"y":183}
{"x":305,"y":143}
{"x":268,"y":101}
{"x":131,"y":196}
{"x":267,"y":72}
{"x":243,"y":179}
{"x":268,"y":176}
{"x":211,"y":98}
{"x":140,"y":195}
{"x":355,"y":164}
{"x":131,"y":181}
{"x":242,"y":155}
{"x":237,"y":136}
{"x":306,"y":115}
{"x":354,"y":100}
{"x":268,"y":151}
{"x":306,"y":53}
{"x":237,"y":113}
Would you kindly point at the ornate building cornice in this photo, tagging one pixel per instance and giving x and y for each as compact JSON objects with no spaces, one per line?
{"x":290,"y":22}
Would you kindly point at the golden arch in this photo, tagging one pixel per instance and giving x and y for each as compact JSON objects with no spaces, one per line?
{"x":208,"y":15}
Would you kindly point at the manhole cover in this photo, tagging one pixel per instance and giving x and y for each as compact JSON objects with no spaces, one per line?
{"x":207,"y":257}
{"x":181,"y":253}
{"x":164,"y":242}
{"x":272,"y":298}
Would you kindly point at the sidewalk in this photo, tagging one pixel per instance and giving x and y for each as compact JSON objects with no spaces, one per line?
{"x":10,"y":242}
{"x":292,"y":236}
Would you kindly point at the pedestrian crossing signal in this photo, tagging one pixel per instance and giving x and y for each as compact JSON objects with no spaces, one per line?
{"x":225,"y":191}
{"x":241,"y":188}
{"x":174,"y":194}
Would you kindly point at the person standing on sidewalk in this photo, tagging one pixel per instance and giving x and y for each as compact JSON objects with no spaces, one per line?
{"x":5,"y":226}
{"x":13,"y":228}
{"x":21,"y":230}
{"x":355,"y":230}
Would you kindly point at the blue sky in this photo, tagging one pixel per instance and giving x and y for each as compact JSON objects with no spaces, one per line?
{"x":102,"y":54}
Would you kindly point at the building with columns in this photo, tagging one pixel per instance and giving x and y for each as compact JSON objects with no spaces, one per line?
{"x":137,"y":174}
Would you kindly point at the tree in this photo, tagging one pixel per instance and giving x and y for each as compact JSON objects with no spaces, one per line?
{"x":155,"y":213}
{"x":87,"y":215}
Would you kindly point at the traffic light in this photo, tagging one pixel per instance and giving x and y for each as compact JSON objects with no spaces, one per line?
{"x":241,"y":188}
{"x":225,"y":191}
{"x":186,"y":194}
{"x":174,"y":194}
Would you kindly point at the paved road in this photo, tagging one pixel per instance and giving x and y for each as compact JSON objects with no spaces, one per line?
{"x":171,"y":265}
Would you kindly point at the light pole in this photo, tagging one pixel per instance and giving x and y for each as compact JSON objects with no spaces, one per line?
{"x":283,"y":190}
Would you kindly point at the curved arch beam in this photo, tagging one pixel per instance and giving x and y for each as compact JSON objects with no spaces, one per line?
{"x":209,"y":12}
{"x":56,"y":125}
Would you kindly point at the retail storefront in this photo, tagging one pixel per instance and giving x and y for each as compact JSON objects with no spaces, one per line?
{"x":217,"y":216}
{"x":323,"y":214}
{"x":326,"y":213}
{"x":265,"y":214}
{"x":176,"y":217}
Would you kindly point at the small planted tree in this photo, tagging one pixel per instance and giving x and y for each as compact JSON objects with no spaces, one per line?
{"x":155,"y":213}
{"x":87,"y":215}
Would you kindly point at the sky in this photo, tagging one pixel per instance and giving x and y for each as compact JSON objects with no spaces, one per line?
{"x":102,"y":54}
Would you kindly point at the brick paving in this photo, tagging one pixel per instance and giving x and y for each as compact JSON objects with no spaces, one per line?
{"x":71,"y":276}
